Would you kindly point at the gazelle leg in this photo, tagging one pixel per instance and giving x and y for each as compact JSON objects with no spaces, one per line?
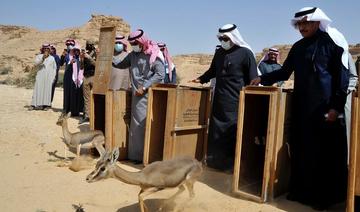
{"x":181,"y":189}
{"x":191,"y":178}
{"x":171,"y":199}
{"x":65,"y":152}
{"x":78,"y":149}
{"x":142,"y":194}
{"x":190,"y":186}
{"x":98,"y":142}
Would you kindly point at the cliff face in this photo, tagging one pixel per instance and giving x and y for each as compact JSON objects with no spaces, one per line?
{"x":19,"y":45}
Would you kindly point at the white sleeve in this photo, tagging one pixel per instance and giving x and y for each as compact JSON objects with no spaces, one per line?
{"x":38,"y":59}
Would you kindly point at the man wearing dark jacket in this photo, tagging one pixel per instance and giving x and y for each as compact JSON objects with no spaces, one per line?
{"x":87,"y":62}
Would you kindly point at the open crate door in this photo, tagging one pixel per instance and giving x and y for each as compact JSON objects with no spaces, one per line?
{"x":257,"y":142}
{"x":104,"y":60}
{"x":101,"y":78}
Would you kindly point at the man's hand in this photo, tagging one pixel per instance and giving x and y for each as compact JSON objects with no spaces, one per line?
{"x":195,"y":80}
{"x":332,"y":115}
{"x":82,"y":55}
{"x":255,"y":81}
{"x":140,"y":91}
{"x":45,"y":55}
{"x":64,"y":53}
{"x":72,"y":61}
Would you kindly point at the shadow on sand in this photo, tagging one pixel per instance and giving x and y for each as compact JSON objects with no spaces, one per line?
{"x":151,"y":204}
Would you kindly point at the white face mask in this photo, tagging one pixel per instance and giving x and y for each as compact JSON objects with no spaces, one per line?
{"x":136,"y":48}
{"x":226,"y":45}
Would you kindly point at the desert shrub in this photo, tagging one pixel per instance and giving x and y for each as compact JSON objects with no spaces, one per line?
{"x":29,"y":79}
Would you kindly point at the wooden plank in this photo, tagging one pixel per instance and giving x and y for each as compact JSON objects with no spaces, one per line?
{"x":169,"y":135}
{"x":248,"y":196}
{"x":121,"y":115}
{"x":186,"y":143}
{"x":109,"y":120}
{"x":357,"y":149}
{"x":104,"y":60}
{"x":149,"y":118}
{"x":353,"y":163}
{"x":189,"y":108}
{"x":280,"y":165}
{"x":92,"y":112}
{"x":270,"y":138}
{"x":207,"y":121}
{"x":239,"y":135}
{"x":262,"y":89}
{"x":196,"y":127}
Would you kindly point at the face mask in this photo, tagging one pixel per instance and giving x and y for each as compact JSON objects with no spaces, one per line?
{"x":69,"y":47}
{"x":119,"y":47}
{"x":225,"y":45}
{"x":136,"y":48}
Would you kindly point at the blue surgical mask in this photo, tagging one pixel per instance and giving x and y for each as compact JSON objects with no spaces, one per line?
{"x":119,"y":47}
{"x":226,"y":45}
{"x":136,"y":48}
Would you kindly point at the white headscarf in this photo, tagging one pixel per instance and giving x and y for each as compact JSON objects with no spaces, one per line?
{"x":233,"y":33}
{"x":316,"y":14}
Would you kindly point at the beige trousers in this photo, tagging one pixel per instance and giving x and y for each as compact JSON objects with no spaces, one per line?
{"x":87,"y":87}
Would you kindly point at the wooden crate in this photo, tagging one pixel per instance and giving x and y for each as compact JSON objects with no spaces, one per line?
{"x":117,"y":120}
{"x":353,"y":199}
{"x":262,"y":166}
{"x":101,"y":78}
{"x":177,"y":122}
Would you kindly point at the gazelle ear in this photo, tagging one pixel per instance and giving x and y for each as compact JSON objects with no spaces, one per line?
{"x":115,"y":155}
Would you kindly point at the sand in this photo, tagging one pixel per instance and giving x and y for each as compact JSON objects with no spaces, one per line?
{"x":34,"y":177}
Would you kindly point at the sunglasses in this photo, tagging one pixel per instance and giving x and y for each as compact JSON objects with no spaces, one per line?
{"x":303,"y":23}
{"x":134,"y":43}
{"x":223,"y":38}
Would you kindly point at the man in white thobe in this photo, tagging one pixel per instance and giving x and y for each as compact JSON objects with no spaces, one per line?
{"x":46,"y":66}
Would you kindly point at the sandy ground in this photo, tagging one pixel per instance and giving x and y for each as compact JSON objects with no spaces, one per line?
{"x":32,"y":177}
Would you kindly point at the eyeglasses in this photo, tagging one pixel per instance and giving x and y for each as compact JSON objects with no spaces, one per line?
{"x":224,"y":38}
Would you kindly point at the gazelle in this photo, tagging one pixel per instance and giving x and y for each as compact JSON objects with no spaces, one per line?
{"x":154,"y":177}
{"x":88,"y":139}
